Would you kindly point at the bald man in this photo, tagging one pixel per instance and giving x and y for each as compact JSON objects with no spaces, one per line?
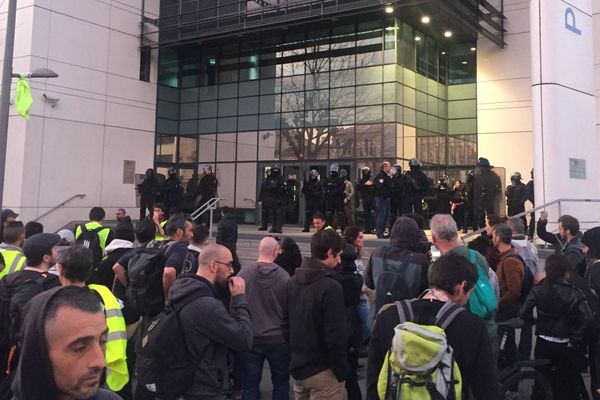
{"x":211,"y":330}
{"x":266,"y":292}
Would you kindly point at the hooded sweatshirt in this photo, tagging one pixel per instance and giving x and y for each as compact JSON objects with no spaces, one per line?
{"x":34,"y":377}
{"x":317,"y":323}
{"x":211,"y":331}
{"x":266,"y":292}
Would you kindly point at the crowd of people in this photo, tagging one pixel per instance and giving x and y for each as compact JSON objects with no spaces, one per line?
{"x":159,"y":311}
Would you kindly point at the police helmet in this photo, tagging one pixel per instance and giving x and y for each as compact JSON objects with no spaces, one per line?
{"x":334,"y":168}
{"x":414,"y":162}
{"x":516,"y":176}
{"x":444,"y":178}
{"x":149,"y":172}
{"x":207,"y":169}
{"x":314,"y":173}
{"x":398,"y":168}
{"x":365,"y":171}
{"x":483,"y":162}
{"x":172,"y":171}
{"x":343,"y":173}
{"x":275,"y":168}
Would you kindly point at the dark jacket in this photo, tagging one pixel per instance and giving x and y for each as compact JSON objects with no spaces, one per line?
{"x":484,"y":246}
{"x":103,"y":274}
{"x":515,"y":197}
{"x":34,"y":379}
{"x":334,"y":189}
{"x":316,"y":326}
{"x":273,"y":192}
{"x":266,"y":288}
{"x":383,"y":185}
{"x":467,"y":335}
{"x":291,"y":257}
{"x":149,"y":187}
{"x":227,"y":232}
{"x":366,"y":192}
{"x":352,"y":282}
{"x":313,"y":193}
{"x":211,"y":331}
{"x":566,"y":315}
{"x":397,"y":184}
{"x":404,"y":240}
{"x":510,"y":271}
{"x":416,"y":183}
{"x":207,"y":188}
{"x":486,"y":186}
{"x":571,"y":250}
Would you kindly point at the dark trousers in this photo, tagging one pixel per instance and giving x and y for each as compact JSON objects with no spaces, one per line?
{"x":459,"y":217}
{"x":395,"y":210}
{"x":518,"y":210}
{"x":347,"y":220}
{"x":311,"y":209}
{"x":506,"y":337}
{"x":531,"y":225}
{"x":412,"y":203}
{"x":276,"y":213}
{"x":383,"y":214}
{"x":146,"y":203}
{"x":335,"y":213}
{"x":352,"y":387}
{"x":481,"y":212}
{"x":525,"y":341}
{"x":564,"y":373}
{"x":278,"y":358}
{"x":369,"y":209}
{"x":204,"y":218}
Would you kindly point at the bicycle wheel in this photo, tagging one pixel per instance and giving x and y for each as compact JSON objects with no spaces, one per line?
{"x":526,"y":385}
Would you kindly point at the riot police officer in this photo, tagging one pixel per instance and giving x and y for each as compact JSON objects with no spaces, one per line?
{"x":486,"y":188}
{"x":334,"y":188}
{"x":273,"y":195}
{"x":515,"y":196}
{"x":148,"y":190}
{"x":416,"y":185}
{"x":397,"y":183}
{"x":366,"y":192}
{"x":442,"y":196}
{"x":530,"y":196}
{"x":207,"y":189}
{"x":174,"y":193}
{"x":312,"y":189}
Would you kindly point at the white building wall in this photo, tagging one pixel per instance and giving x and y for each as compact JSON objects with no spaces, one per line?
{"x":105,"y":114}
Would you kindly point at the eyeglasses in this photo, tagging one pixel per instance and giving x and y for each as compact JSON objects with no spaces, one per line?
{"x":227,"y":264}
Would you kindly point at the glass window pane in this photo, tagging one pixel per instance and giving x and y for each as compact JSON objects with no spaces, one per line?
{"x":292,"y":119}
{"x":369,"y":75}
{"x":187,"y":150}
{"x":389,"y":138}
{"x":389,"y":92}
{"x":270,"y":104}
{"x":245,"y":188}
{"x":189,"y":95}
{"x":166,"y":126}
{"x":206,"y":148}
{"x":165,"y":109}
{"x":227,"y":124}
{"x":341,"y":142}
{"x":189,"y":111}
{"x":249,"y":88}
{"x":291,"y":144}
{"x":208,"y":109}
{"x":292,"y":101}
{"x":188,"y":127}
{"x":208,"y":93}
{"x":316,"y":118}
{"x":315,"y":99}
{"x":342,"y":97}
{"x":248,"y":105}
{"x":228,"y":91}
{"x":269,"y":121}
{"x":342,"y":78}
{"x":389,"y":113}
{"x":248,"y":122}
{"x":207,"y":125}
{"x":270,"y":86}
{"x":316,"y":143}
{"x":165,"y":148}
{"x":368,"y":141}
{"x":268,"y":142}
{"x":370,"y":114}
{"x":226,"y":186}
{"x":227,"y":107}
{"x":226,"y":147}
{"x":341,"y":116}
{"x":371,"y":94}
{"x":246,"y":146}
{"x":317,"y":80}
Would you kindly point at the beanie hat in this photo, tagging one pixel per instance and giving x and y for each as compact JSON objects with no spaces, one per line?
{"x":591,"y":238}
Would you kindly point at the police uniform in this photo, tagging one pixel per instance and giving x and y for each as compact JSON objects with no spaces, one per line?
{"x":273,"y":196}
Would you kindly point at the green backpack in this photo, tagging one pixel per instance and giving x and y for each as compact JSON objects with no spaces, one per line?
{"x":420,"y":364}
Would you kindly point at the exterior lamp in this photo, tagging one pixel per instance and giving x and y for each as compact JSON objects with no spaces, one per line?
{"x":425,"y":19}
{"x":448,"y":34}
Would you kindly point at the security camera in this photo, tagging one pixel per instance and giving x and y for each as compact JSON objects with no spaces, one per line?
{"x":52,"y":100}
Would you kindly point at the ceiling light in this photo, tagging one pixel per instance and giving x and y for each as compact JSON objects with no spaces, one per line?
{"x":389,"y":9}
{"x":473,"y":49}
{"x":448,"y":34}
{"x":465,"y":62}
{"x":425,"y":19}
{"x":443,"y":53}
{"x":417,"y":38}
{"x":390,"y":28}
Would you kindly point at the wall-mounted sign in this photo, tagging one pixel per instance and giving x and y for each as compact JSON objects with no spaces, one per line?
{"x":576,"y":168}
{"x":128,"y":172}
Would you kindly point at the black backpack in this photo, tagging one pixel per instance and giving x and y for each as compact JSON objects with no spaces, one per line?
{"x":527,"y":283}
{"x":190,"y":264}
{"x":90,"y":239}
{"x":145,"y":273}
{"x":163,"y":364}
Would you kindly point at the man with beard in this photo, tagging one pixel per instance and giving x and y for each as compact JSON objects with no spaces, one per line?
{"x":566,"y":241}
{"x":313,"y":195}
{"x":64,"y":339}
{"x":210,"y":329}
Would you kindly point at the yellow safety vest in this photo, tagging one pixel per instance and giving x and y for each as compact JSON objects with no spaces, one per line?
{"x":102,"y":233}
{"x":159,"y":237}
{"x":14,"y":259}
{"x":117,"y":374}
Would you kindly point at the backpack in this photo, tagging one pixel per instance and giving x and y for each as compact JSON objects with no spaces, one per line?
{"x":90,"y":239}
{"x":482,"y":301}
{"x":190,"y":264}
{"x":420,"y":363}
{"x":527,"y":283}
{"x":163,"y":364}
{"x":529,"y":258}
{"x":394,"y":280}
{"x":145,"y":273}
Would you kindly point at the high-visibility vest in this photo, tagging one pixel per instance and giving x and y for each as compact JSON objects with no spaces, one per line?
{"x":102,"y":233}
{"x":159,"y":237}
{"x":14,"y":259}
{"x":117,"y":374}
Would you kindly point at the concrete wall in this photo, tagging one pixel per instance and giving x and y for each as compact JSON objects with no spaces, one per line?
{"x":105,"y":114}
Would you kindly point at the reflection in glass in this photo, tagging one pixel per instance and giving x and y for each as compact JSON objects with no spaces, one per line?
{"x":342,"y":142}
{"x":368,"y":141}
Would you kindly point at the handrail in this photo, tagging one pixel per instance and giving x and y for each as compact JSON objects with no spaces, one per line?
{"x":534,"y":209}
{"x":209,"y":205}
{"x":81,"y":196}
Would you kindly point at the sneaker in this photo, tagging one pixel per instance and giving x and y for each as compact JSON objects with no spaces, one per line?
{"x":305,"y":230}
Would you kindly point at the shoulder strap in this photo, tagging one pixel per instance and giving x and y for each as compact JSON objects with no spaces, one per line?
{"x":447,"y":313}
{"x":405,"y":310}
{"x":384,"y":252}
{"x":472,"y":256}
{"x":179,"y":305}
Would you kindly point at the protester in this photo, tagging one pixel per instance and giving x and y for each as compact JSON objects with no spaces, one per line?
{"x":122,"y":243}
{"x":452,"y":280}
{"x":355,"y":237}
{"x":266,"y":293}
{"x":227,"y":234}
{"x":564,"y":325}
{"x":316,"y":326}
{"x":210,"y":329}
{"x":12,"y":253}
{"x":383,"y":194}
{"x":567,"y":241}
{"x":6,"y":215}
{"x":483,"y":244}
{"x":121,"y":215}
{"x":198,"y":242}
{"x":158,"y":216}
{"x":62,"y":353}
{"x":591,"y":248}
{"x":179,"y":234}
{"x":289,"y":257}
{"x":32,"y":228}
{"x":320,"y":222}
{"x":94,"y":235}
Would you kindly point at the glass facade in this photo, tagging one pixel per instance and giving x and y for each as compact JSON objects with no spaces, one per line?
{"x":355,"y":94}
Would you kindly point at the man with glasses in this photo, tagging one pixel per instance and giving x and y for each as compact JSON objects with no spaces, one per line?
{"x":211,"y":331}
{"x":266,"y":292}
{"x":316,"y":322}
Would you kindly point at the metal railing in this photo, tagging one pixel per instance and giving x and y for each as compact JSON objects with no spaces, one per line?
{"x":210,"y":206}
{"x":81,"y":196}
{"x":558,"y":202}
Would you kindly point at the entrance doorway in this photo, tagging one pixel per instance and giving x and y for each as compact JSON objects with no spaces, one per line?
{"x":295,"y":173}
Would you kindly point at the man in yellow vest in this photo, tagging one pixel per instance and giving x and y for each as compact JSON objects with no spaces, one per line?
{"x":158,"y":217}
{"x":320,"y":222}
{"x":14,"y":259}
{"x":105,"y":235}
{"x":75,"y":266}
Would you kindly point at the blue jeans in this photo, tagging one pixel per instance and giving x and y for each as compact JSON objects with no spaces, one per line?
{"x":383,"y":213}
{"x":363,"y":313}
{"x":278,"y":357}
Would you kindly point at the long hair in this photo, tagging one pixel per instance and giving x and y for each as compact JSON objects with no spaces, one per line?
{"x":557,"y":270}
